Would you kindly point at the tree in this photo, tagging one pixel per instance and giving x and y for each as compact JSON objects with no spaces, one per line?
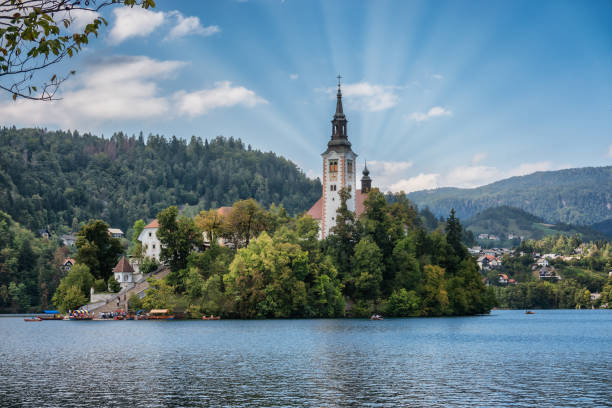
{"x":344,"y":236}
{"x":113,"y":285}
{"x":36,"y":34}
{"x":211,"y":223}
{"x":435,"y":297}
{"x":368,"y":269}
{"x":247,"y":220}
{"x":97,"y":249}
{"x":403,"y":303}
{"x":178,"y":237}
{"x":73,"y":288}
{"x":137,"y":245}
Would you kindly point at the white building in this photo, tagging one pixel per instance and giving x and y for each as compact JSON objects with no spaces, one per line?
{"x":339,"y":171}
{"x":150,"y":244}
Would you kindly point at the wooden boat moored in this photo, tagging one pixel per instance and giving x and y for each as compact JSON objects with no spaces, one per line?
{"x":32,"y":319}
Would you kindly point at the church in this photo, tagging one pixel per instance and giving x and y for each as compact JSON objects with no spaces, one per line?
{"x":339,"y":171}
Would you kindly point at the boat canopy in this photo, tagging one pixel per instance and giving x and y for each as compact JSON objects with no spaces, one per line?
{"x":51,"y":311}
{"x":159,"y":311}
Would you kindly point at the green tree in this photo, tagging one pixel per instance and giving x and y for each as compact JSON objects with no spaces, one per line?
{"x":246,"y":221}
{"x":97,"y":249}
{"x":435,"y":297}
{"x":368,"y":269}
{"x":344,"y":236}
{"x":113,"y":285}
{"x":403,"y":303}
{"x":178,"y":238}
{"x":78,"y":277}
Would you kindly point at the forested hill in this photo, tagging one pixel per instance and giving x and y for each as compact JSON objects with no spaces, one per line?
{"x":574,"y":196}
{"x":503,"y":221}
{"x":62,"y":178}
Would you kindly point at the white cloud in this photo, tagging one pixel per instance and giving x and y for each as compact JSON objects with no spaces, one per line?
{"x":134,"y":22}
{"x":190,"y":26}
{"x":610,"y":151}
{"x":478,"y":157}
{"x":437,"y":76}
{"x":396,"y":176}
{"x":294,"y":76}
{"x":223,"y":95}
{"x":366,"y":97}
{"x":423,"y":181}
{"x":123,"y":88}
{"x":78,"y":19}
{"x":436,"y":111}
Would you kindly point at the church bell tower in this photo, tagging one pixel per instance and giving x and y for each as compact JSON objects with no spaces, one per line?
{"x":339,"y":170}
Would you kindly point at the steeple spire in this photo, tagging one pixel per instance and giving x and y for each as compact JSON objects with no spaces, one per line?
{"x":339,"y":121}
{"x":339,"y":111}
{"x":366,"y":181}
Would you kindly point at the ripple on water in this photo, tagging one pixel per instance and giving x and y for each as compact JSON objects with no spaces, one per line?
{"x":551,"y":359}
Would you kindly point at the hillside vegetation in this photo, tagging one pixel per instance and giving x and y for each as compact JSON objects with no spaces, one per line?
{"x":502,"y":221}
{"x":62,"y":179}
{"x":574,"y":196}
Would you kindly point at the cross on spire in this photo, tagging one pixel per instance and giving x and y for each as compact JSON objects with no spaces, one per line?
{"x":339,"y":78}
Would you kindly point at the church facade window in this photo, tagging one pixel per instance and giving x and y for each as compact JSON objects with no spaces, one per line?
{"x":349,"y":167}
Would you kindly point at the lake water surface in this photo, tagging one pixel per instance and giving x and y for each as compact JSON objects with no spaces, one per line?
{"x":550,"y":359}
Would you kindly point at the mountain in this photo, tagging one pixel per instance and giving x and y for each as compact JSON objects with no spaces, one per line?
{"x":60,"y":179}
{"x":605,"y":227}
{"x":503,"y":221}
{"x":574,"y":196}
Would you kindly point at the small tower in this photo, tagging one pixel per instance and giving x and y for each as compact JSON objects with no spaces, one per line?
{"x":338,"y":168}
{"x":366,"y":181}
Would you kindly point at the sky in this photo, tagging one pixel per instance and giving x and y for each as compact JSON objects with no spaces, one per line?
{"x":437,"y":94}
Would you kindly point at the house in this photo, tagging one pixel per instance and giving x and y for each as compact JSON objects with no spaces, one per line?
{"x":512,"y":282}
{"x":483,"y":236}
{"x":548,"y":273}
{"x":151,"y":246}
{"x":503,"y":278}
{"x":44,"y":233}
{"x":124,"y":273}
{"x":339,"y":171}
{"x":68,"y":239}
{"x":483,"y":262}
{"x":542,"y":262}
{"x":67,"y":264}
{"x":115,"y":233}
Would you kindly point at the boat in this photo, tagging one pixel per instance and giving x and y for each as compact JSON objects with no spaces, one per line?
{"x":376,"y":317}
{"x":160,"y":314}
{"x":32,"y":319}
{"x":529,"y":312}
{"x":211,"y":317}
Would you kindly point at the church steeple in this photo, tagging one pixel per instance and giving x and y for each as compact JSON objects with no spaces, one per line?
{"x":339,"y":122}
{"x":366,"y":181}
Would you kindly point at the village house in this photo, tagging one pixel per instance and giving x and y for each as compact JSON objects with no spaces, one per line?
{"x":151,"y":246}
{"x":68,"y":239}
{"x":115,"y":233}
{"x":67,"y":264}
{"x":548,"y":273}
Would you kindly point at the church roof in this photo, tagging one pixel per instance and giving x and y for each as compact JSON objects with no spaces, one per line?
{"x":316,"y":211}
{"x":123,"y":266}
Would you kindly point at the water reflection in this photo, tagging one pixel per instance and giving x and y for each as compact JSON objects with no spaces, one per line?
{"x":553,"y":358}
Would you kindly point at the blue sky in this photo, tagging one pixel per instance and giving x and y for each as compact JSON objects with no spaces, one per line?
{"x":436,"y":93}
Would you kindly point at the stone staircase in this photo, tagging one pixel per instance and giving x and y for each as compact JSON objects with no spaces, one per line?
{"x":120,"y":301}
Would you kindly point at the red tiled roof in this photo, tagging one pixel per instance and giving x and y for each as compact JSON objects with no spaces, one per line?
{"x":123,"y":266}
{"x":490,"y":257}
{"x":72,"y":261}
{"x":152,"y":224}
{"x":224,"y":211}
{"x":316,"y":211}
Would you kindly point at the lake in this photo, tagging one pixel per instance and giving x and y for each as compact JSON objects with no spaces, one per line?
{"x":549,"y":359}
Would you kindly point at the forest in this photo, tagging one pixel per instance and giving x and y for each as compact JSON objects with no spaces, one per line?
{"x":274,"y":266}
{"x":61,"y":179}
{"x":579,"y":196}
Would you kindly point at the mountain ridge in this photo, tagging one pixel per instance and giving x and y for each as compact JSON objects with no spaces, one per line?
{"x":581,"y":196}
